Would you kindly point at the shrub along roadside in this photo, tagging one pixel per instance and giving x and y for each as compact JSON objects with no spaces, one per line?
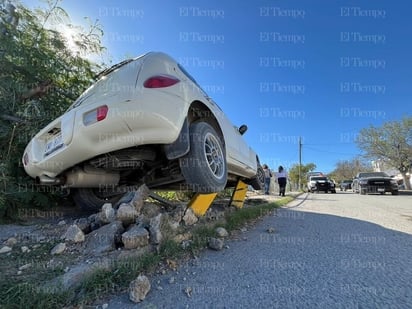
{"x":104,"y":282}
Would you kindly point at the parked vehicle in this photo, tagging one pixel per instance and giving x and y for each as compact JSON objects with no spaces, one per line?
{"x":374,"y":182}
{"x":345,"y":185}
{"x":146,"y":120}
{"x":320,"y":184}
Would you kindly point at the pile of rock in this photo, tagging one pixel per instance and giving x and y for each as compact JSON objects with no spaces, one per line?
{"x":134,"y":224}
{"x":129,"y":229}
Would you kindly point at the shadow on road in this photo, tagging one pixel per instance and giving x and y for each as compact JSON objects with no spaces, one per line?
{"x":405,"y":192}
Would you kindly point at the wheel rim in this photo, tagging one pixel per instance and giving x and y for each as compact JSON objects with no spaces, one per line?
{"x":214,"y":156}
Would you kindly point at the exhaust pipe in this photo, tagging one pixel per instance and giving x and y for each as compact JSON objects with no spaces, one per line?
{"x":79,"y":178}
{"x":48,"y":181}
{"x":95,"y":178}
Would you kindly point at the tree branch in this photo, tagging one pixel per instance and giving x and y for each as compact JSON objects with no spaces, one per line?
{"x":11,"y":118}
{"x":38,"y":91}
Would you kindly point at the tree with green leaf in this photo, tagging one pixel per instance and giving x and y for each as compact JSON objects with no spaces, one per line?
{"x":301,"y":171}
{"x":391,"y":144}
{"x":347,"y":169}
{"x":40,"y":77}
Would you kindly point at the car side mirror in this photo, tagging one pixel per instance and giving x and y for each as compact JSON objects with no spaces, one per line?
{"x":242,"y":129}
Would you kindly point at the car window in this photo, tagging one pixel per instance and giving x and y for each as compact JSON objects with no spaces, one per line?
{"x":188,"y":75}
{"x":373,"y":174}
{"x":318,"y":178}
{"x":106,"y":85}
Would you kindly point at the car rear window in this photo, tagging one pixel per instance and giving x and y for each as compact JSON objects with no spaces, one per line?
{"x":187,"y":73}
{"x":318,"y":178}
{"x":375,"y":174}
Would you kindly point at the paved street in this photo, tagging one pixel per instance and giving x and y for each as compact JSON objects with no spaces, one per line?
{"x":338,"y":250}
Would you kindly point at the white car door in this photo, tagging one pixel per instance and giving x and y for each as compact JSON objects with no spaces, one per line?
{"x":238,"y":152}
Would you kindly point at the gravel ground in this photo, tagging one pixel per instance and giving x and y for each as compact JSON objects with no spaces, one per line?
{"x":312,"y":260}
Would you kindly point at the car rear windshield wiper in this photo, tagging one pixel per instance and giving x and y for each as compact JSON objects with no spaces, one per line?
{"x":112,"y":68}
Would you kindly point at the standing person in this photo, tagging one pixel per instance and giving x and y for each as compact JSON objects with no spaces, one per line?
{"x":282,"y":177}
{"x":268,"y":174}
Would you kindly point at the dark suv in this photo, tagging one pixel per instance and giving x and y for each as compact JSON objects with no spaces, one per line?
{"x":374,"y":182}
{"x":345,"y":185}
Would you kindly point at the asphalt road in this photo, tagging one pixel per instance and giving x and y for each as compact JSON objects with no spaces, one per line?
{"x":338,"y":250}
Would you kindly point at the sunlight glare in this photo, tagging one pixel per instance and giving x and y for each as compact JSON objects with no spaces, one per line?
{"x":69,"y":34}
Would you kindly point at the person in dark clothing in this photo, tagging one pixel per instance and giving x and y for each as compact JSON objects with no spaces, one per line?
{"x":282,"y":177}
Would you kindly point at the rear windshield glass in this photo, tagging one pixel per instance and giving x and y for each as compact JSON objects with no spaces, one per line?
{"x":318,"y":178}
{"x":104,"y":78}
{"x":375,"y":174}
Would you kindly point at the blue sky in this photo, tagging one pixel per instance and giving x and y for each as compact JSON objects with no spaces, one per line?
{"x":315,"y":70}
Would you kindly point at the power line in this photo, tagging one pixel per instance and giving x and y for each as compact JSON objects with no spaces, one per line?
{"x":329,"y":151}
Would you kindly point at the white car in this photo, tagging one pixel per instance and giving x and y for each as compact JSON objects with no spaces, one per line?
{"x":146,"y":120}
{"x":318,"y":183}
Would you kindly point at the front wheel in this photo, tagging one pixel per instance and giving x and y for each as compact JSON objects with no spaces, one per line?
{"x":258,"y":182}
{"x":362,"y":191}
{"x":204,"y":167}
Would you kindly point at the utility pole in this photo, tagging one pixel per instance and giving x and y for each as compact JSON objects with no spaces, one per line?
{"x":300,"y":163}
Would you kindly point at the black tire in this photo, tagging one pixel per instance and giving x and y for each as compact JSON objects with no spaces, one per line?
{"x":258,"y":182}
{"x":396,"y":192}
{"x":362,"y":191}
{"x":204,"y":167}
{"x":91,"y":199}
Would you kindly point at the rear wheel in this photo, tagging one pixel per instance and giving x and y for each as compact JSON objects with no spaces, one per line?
{"x":258,"y":182}
{"x":92,"y":199}
{"x":204,"y":167}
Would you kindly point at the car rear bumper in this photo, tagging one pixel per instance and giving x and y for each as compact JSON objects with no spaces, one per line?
{"x":127,"y":124}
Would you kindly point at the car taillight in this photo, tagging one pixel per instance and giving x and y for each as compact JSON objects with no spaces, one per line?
{"x":101,"y":112}
{"x":160,"y":81}
{"x":95,"y":115}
